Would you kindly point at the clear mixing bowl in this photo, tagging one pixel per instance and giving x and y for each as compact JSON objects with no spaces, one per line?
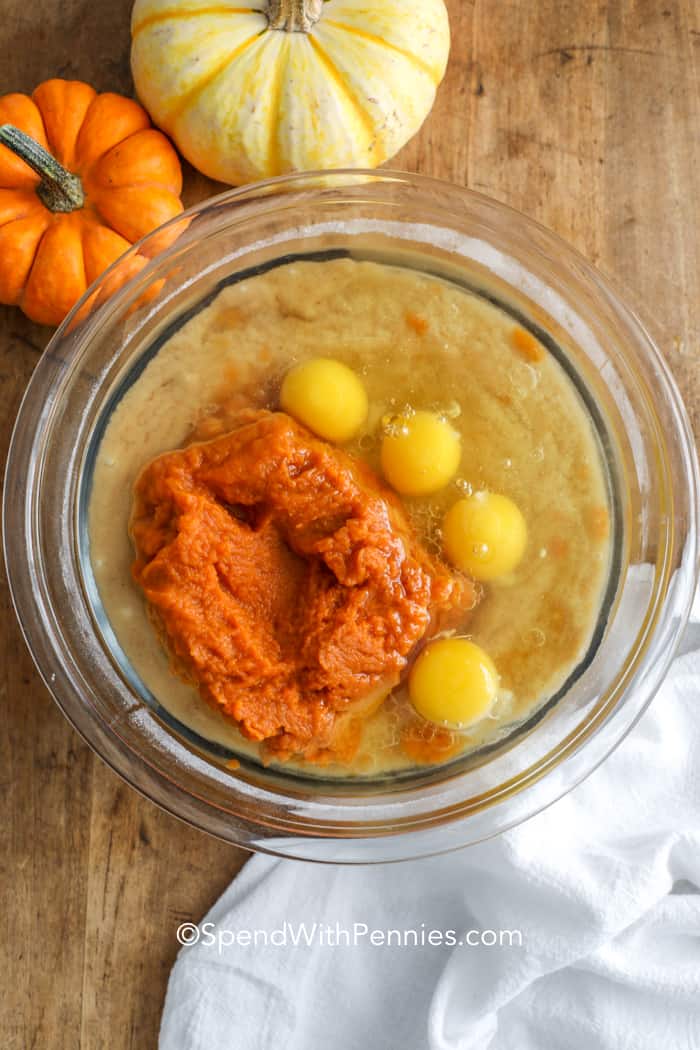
{"x":437,"y":228}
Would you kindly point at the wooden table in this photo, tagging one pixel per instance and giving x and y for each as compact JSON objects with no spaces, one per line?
{"x":585,"y":115}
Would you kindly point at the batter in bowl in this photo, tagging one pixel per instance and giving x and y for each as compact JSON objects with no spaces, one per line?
{"x":515,"y":446}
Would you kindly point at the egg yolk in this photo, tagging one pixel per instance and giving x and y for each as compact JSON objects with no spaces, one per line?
{"x":485,"y":535}
{"x":327,"y":397}
{"x":453,"y":682}
{"x":421,"y":454}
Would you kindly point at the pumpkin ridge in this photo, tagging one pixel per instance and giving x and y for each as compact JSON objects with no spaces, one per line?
{"x":46,"y":218}
{"x":382,"y":42}
{"x":28,"y":203}
{"x":120,"y":224}
{"x":340,"y":82}
{"x":88,"y":230}
{"x":82,"y":171}
{"x":84,"y":166}
{"x":178,"y":13}
{"x":20,"y":301}
{"x":189,"y":97}
{"x":15,"y":298}
{"x":61,"y":146}
{"x":96,"y":192}
{"x":93,"y":188}
{"x":273,"y":150}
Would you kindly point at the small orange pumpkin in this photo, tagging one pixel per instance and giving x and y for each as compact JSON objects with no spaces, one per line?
{"x":82,"y":176}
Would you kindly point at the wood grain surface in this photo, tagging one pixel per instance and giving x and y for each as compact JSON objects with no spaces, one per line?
{"x":586,"y":116}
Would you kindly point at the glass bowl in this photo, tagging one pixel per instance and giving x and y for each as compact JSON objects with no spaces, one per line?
{"x":438,"y":228}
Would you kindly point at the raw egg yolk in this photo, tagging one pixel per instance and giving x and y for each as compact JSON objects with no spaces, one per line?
{"x":453,"y":682}
{"x":327,"y":397}
{"x":421,"y":454}
{"x":485,"y":535}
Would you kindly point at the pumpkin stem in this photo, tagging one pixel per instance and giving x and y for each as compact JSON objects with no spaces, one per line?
{"x":296,"y":16}
{"x":59,"y":190}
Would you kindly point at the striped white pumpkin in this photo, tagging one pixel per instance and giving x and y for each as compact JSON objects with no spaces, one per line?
{"x":255,"y":88}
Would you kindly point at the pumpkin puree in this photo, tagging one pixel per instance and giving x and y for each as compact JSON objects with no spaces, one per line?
{"x":286,"y":581}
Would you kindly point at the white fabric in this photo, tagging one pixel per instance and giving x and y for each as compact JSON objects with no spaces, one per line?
{"x":602,"y":887}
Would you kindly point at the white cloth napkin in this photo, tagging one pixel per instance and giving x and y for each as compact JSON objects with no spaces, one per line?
{"x":601,"y":887}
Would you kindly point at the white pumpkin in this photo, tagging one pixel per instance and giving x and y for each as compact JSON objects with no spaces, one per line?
{"x":257,"y":88}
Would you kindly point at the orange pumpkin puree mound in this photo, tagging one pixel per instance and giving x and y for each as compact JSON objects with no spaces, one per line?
{"x":286,"y":581}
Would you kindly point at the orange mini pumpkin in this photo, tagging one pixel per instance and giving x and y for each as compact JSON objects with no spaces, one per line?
{"x":82,"y":176}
